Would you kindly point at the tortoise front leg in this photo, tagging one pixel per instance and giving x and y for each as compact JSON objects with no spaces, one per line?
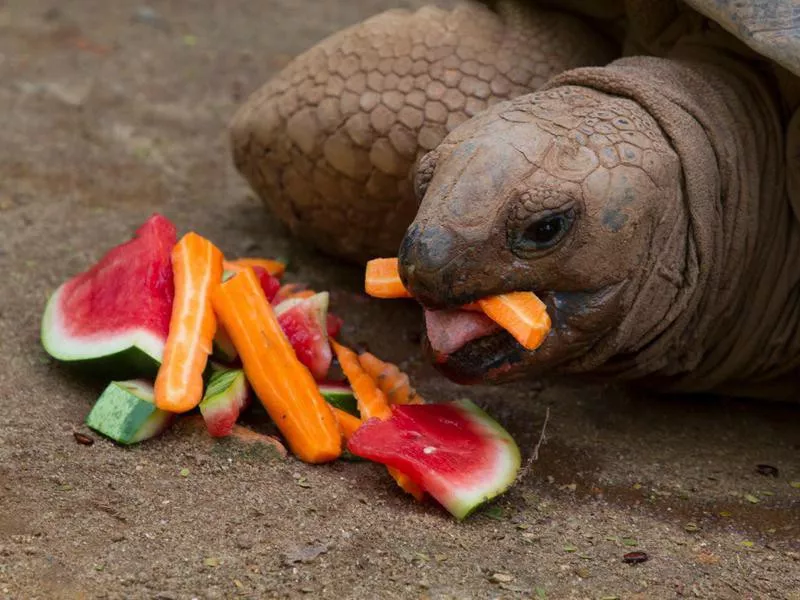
{"x":329,"y":144}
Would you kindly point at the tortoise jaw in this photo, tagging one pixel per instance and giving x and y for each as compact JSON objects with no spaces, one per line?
{"x":486,"y":359}
{"x":579,"y":324}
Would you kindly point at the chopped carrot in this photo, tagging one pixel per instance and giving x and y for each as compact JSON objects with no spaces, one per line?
{"x":390,"y":379}
{"x":197,"y":268}
{"x":282,"y":383}
{"x":347,"y":423}
{"x":371,"y":400}
{"x":372,"y":403}
{"x":273,"y":267}
{"x":522,"y":314}
{"x":383,"y":279}
{"x":289,"y":290}
{"x":301,"y":295}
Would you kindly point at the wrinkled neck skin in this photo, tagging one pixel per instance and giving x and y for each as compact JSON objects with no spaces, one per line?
{"x":733,"y":273}
{"x":684,"y":269}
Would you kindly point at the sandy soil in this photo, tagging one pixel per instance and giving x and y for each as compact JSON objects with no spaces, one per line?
{"x":110,"y":110}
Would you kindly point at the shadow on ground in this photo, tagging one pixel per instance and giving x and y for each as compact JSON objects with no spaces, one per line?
{"x":112,"y":110}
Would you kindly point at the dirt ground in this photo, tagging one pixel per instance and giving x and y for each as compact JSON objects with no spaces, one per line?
{"x":110,"y":110}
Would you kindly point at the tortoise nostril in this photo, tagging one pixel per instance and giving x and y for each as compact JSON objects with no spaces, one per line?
{"x":424,"y":253}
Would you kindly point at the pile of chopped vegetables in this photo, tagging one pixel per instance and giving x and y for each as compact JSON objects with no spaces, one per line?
{"x":176,"y":328}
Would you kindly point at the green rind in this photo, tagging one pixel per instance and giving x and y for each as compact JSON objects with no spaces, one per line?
{"x":125,"y":412}
{"x":223,"y":348}
{"x":225,"y":388}
{"x":508,"y":464}
{"x":137,"y":353}
{"x":341,"y":397}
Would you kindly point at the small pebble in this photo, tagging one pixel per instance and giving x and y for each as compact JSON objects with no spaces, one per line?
{"x":502,"y":577}
{"x":767,"y":470}
{"x":244,"y":542}
{"x":83,"y":439}
{"x":635,"y":558}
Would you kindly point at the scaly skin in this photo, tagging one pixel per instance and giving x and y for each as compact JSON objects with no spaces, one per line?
{"x":679,"y":264}
{"x":331,"y":142}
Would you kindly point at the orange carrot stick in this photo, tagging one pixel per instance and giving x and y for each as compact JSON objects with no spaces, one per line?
{"x":282,"y":383}
{"x":522,"y":314}
{"x":197,"y":270}
{"x":347,"y":423}
{"x":390,"y":379}
{"x":372,"y":403}
{"x":370,"y":399}
{"x":273,"y":267}
{"x":382,"y":279}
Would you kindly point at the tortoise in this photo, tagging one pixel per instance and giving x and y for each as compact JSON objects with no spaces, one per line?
{"x":635,"y":163}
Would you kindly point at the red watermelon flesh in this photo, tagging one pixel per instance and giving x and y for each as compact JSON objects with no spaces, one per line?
{"x":333,"y":325}
{"x":122,"y":302}
{"x":304,"y":322}
{"x":269,"y":283}
{"x":454,"y":451}
{"x":226,"y":396}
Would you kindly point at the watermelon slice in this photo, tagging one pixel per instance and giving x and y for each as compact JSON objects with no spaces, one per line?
{"x":304,"y":321}
{"x":227,"y":395}
{"x":115,"y":316}
{"x":454,"y":451}
{"x":334,"y":325}
{"x":126,"y":413}
{"x":269,"y":283}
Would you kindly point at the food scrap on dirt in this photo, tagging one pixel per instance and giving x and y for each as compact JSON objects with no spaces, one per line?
{"x":522,"y":314}
{"x":180,"y":329}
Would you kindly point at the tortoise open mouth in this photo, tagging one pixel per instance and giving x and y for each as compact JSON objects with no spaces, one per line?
{"x":482,"y":359}
{"x":468,"y":347}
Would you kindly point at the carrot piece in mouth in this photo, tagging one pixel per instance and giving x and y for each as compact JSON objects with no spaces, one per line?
{"x":282,"y":383}
{"x":522,"y":314}
{"x":197,"y":268}
{"x":383,"y":279}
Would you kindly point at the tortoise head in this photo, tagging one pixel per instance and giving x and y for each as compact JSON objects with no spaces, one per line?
{"x":560,"y":193}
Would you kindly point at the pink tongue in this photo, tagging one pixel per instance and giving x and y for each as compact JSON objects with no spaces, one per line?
{"x":449,"y":330}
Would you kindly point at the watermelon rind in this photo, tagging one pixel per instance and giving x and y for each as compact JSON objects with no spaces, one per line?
{"x":460,"y":487}
{"x":223,"y":348}
{"x":133,"y":353}
{"x":507,"y":464}
{"x":126,"y":413}
{"x":225,"y":397}
{"x":341,"y":396}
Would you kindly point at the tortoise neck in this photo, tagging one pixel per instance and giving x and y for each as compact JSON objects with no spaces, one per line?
{"x":727,"y":240}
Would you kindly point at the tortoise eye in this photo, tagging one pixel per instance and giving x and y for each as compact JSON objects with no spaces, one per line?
{"x":546,"y":232}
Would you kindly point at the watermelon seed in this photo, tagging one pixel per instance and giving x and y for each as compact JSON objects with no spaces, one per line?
{"x":428,"y":450}
{"x":502,"y":578}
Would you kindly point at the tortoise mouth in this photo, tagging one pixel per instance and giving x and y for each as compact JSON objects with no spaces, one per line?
{"x":489,"y":358}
